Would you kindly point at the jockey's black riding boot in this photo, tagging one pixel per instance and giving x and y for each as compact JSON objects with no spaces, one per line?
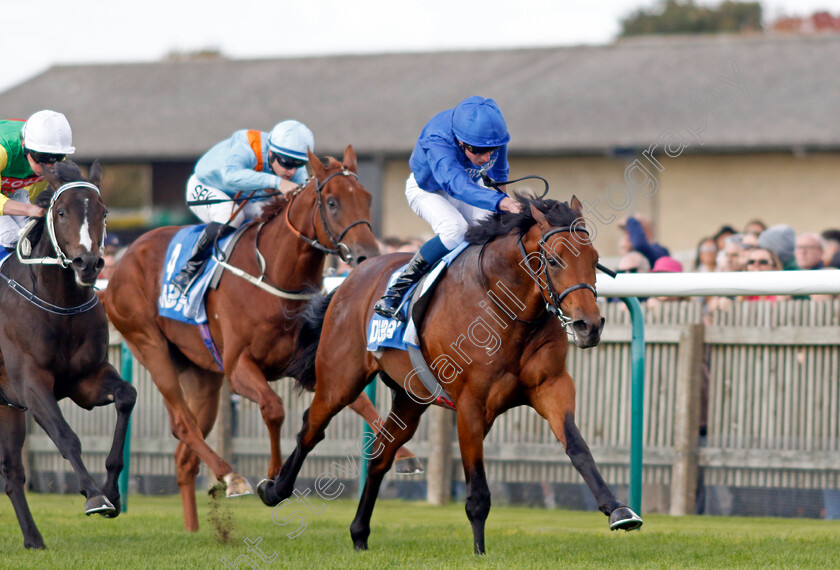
{"x":200,"y":253}
{"x":389,"y":303}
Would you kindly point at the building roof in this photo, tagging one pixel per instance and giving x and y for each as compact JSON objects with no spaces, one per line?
{"x":738,"y":93}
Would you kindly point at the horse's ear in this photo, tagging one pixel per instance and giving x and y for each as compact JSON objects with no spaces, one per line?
{"x":350,"y":159}
{"x":95,"y":176}
{"x":540,"y":217}
{"x":318,"y":168}
{"x":51,"y":177}
{"x":577,"y":209}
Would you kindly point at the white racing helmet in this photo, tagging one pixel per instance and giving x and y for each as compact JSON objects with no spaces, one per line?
{"x":291,"y":138}
{"x":48,"y":132}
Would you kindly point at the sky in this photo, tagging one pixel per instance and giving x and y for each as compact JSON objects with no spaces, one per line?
{"x":37,"y":35}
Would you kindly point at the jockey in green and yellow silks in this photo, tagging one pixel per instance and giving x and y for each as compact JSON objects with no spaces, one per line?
{"x":26,"y":148}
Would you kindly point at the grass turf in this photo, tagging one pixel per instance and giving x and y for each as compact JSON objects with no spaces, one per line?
{"x":151,"y":535}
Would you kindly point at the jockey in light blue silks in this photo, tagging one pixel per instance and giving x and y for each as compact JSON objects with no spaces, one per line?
{"x":445,"y":188}
{"x":250,"y":165}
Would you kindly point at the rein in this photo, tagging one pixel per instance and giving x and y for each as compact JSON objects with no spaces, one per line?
{"x":338,"y":247}
{"x":24,"y":249}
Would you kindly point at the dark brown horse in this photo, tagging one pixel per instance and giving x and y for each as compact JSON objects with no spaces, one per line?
{"x":496,"y":335}
{"x":254,"y":329}
{"x":54,"y":340}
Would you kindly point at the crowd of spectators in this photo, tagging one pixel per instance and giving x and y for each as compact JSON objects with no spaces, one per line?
{"x":756,"y":248}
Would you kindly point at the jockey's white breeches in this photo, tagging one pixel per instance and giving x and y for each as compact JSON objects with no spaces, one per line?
{"x":10,"y":226}
{"x":448,"y":216}
{"x":223,"y":210}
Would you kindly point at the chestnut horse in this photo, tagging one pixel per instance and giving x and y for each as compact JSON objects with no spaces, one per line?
{"x":254,"y":329}
{"x":538,"y":269}
{"x":54,"y":340}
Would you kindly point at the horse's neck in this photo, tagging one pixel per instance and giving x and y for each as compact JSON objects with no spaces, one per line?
{"x":296,"y":263}
{"x":508,"y":280}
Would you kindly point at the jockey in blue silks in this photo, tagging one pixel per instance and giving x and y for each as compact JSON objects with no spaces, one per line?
{"x":250,"y":167}
{"x":455,"y":150}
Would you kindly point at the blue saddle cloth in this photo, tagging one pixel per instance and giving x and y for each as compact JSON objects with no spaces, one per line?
{"x":188,"y":308}
{"x":392,"y":333}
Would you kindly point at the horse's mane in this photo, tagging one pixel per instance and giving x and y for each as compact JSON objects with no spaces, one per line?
{"x":488,"y":229}
{"x":65,"y":171}
{"x":278,"y":204}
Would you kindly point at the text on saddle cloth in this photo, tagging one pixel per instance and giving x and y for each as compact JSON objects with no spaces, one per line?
{"x":188,"y":308}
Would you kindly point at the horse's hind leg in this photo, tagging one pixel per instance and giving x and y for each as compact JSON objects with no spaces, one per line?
{"x":105,"y":388}
{"x":13,"y":427}
{"x":202,"y":393}
{"x":399,"y":427}
{"x":555,"y":402}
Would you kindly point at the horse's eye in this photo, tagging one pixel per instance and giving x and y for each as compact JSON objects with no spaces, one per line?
{"x":61,"y":212}
{"x":332,"y":203}
{"x":552,"y":262}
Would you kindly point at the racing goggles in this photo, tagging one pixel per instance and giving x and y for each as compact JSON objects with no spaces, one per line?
{"x":286,"y":162}
{"x":45,"y":157}
{"x":479,"y":149}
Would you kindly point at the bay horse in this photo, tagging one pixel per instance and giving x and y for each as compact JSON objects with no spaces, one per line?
{"x":54,"y":340}
{"x":253,"y":328}
{"x":537,"y":269}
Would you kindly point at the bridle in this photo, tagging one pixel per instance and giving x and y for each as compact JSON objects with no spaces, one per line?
{"x":24,"y":246}
{"x":555,"y":300}
{"x":24,"y":249}
{"x":339,"y":248}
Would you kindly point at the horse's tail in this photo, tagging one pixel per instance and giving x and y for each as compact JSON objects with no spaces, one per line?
{"x":302,"y":365}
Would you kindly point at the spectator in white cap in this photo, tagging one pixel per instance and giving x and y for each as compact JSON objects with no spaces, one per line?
{"x":26,"y":149}
{"x":233,"y":181}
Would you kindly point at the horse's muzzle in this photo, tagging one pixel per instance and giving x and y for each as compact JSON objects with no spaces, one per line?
{"x":587,"y":332}
{"x":87,"y":268}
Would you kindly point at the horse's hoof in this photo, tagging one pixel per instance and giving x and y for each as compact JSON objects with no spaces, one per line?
{"x":408,"y":466}
{"x":237,"y":486}
{"x":360,"y":545}
{"x":100,"y":505}
{"x":117,"y":509}
{"x":623,"y":518}
{"x":263,"y":488}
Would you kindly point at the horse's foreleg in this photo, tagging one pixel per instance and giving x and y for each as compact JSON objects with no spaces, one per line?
{"x":315,"y":421}
{"x":555,"y":401}
{"x":13,"y":426}
{"x":41,"y":402}
{"x":406,"y":462}
{"x":398,"y":428}
{"x":248,"y":380}
{"x":108,"y":387}
{"x":471,"y":431}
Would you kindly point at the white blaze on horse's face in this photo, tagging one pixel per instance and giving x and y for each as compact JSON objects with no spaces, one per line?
{"x":84,"y":231}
